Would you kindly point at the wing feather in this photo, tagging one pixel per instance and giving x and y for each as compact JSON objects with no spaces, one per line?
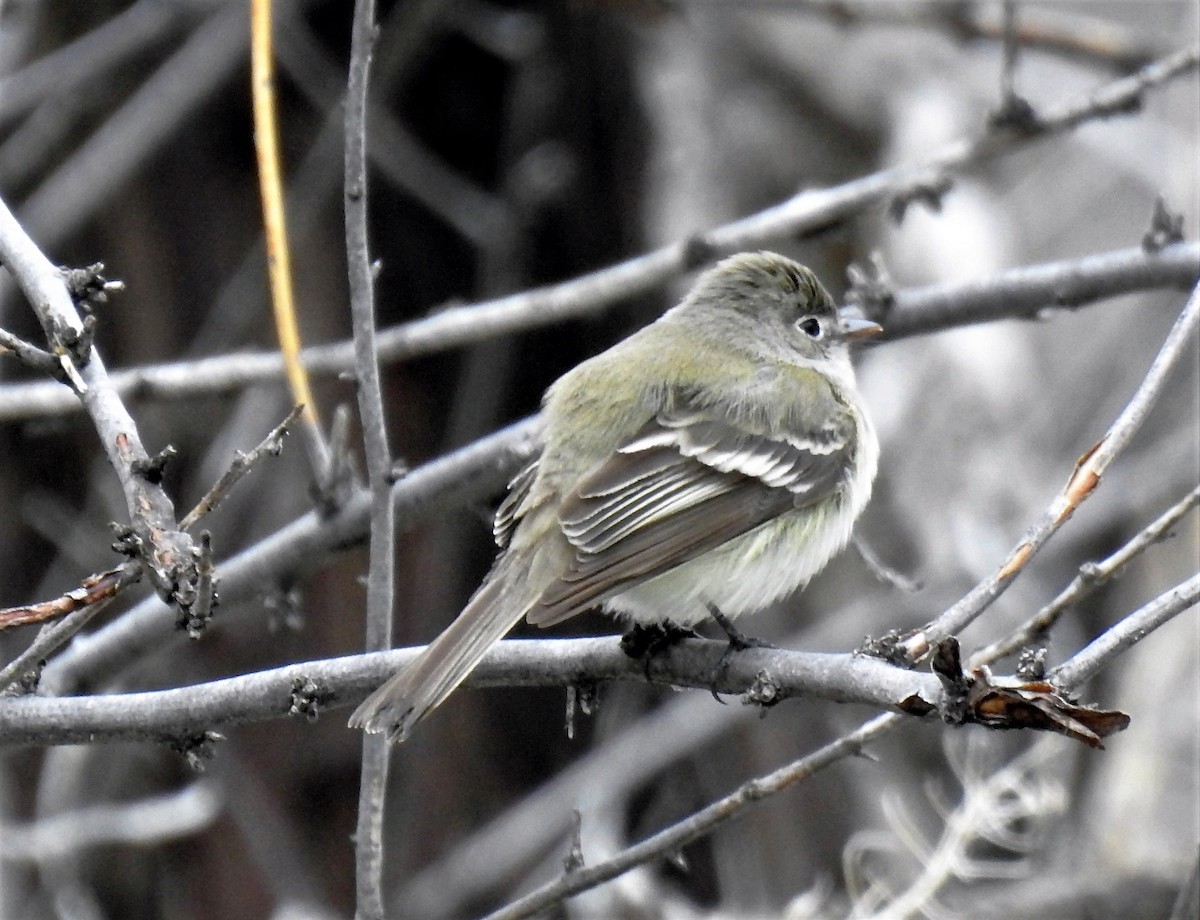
{"x":686,"y":483}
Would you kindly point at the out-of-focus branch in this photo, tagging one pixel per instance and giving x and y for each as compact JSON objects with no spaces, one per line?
{"x":143,"y":123}
{"x":145,"y":822}
{"x":1018,"y":292}
{"x":1069,"y":35}
{"x":314,"y":686}
{"x":1087,"y":475}
{"x":697,"y":825}
{"x":166,"y":553}
{"x":94,"y":55}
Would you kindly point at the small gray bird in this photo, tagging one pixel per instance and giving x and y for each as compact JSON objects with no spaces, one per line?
{"x":716,"y":458}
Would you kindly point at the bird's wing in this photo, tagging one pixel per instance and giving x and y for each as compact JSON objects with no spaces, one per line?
{"x":513,"y":508}
{"x":686,"y":483}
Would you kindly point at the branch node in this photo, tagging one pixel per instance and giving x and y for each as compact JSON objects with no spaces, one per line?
{"x":151,"y":468}
{"x":308,"y":697}
{"x":956,"y":686}
{"x":1166,"y":227}
{"x":197,"y":749}
{"x":928,"y":192}
{"x":697,"y":251}
{"x":88,"y":287}
{"x":763,"y":692}
{"x":1031,"y":665}
{"x":126,"y":542}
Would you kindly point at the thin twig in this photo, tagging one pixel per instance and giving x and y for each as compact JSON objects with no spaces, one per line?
{"x":279,"y":264}
{"x":1086,"y":477}
{"x":1018,"y":292}
{"x":1091,"y":576}
{"x":699,"y":824}
{"x":242,"y":464}
{"x":1074,"y":672}
{"x":60,"y":633}
{"x":368,"y":838}
{"x":29,"y":354}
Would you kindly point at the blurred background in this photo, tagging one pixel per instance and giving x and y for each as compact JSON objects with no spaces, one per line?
{"x":520,"y":144}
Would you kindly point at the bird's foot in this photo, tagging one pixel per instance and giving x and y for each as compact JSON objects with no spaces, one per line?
{"x":646,"y":642}
{"x":738,"y":642}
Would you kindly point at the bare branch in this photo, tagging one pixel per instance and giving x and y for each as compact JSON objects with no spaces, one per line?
{"x":376,"y":754}
{"x":1132,"y":629}
{"x":1019,"y":292}
{"x":1091,"y":576}
{"x":242,"y":464}
{"x":167,"y":553}
{"x":1070,"y":35}
{"x":183,"y":712}
{"x":1086,"y":477}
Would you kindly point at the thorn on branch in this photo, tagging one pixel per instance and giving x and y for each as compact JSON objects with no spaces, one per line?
{"x":1031,"y":665}
{"x":928,"y":192}
{"x":1015,"y":114}
{"x":197,"y":749}
{"x":151,"y":468}
{"x":574,"y":860}
{"x":1166,"y":227}
{"x":196,"y":594}
{"x":581,"y":697}
{"x":763,"y":692}
{"x":88,"y":286}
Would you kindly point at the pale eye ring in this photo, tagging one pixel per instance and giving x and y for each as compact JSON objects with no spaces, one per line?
{"x":811,"y":327}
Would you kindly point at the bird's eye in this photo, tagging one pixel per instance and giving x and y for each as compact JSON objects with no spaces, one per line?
{"x":810,"y":326}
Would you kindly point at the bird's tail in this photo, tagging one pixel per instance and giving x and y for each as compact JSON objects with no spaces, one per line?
{"x":407,"y":697}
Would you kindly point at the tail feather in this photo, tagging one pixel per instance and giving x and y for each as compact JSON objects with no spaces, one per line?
{"x":407,"y":697}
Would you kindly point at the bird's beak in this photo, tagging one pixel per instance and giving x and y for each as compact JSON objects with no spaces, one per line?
{"x":855,"y":327}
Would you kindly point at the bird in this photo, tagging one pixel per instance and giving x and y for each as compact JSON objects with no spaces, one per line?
{"x":709,"y":464}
